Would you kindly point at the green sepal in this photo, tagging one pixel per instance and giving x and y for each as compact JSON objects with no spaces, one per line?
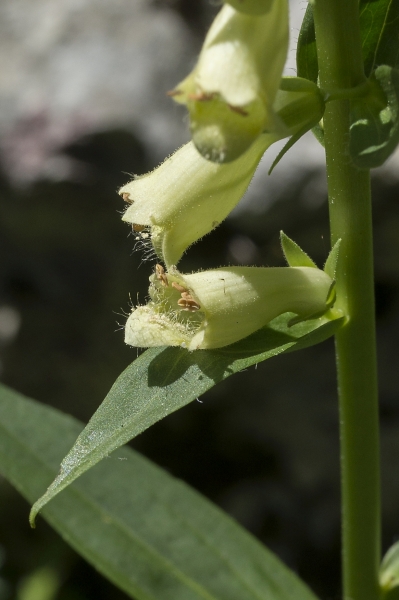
{"x":303,"y":112}
{"x":374,"y":129}
{"x":294,"y":255}
{"x":332,"y":259}
{"x":389,"y":573}
{"x":331,"y":297}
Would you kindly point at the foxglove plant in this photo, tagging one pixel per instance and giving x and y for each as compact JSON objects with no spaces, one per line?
{"x":202,"y":327}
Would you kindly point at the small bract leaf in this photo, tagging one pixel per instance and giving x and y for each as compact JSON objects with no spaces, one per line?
{"x":162,"y":380}
{"x":300,"y":105}
{"x":332,"y":259}
{"x":294,"y":255}
{"x":374,"y":130}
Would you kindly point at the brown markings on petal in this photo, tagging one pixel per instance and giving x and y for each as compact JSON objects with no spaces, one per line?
{"x":238,"y":110}
{"x":202,"y":96}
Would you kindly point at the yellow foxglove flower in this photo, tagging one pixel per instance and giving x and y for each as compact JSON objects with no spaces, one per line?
{"x":211,"y":309}
{"x":231,"y":91}
{"x":187,"y":196}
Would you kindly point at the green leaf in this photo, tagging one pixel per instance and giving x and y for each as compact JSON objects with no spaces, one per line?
{"x":294,"y":255}
{"x":162,"y":380}
{"x":379,"y":24}
{"x":379,"y":29}
{"x":149,"y":533}
{"x":374,"y":130}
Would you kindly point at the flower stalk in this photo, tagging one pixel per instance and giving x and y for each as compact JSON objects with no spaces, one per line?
{"x":341,"y":67}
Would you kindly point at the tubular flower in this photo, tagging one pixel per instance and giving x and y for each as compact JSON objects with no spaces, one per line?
{"x":211,"y":309}
{"x":231,"y":91}
{"x":187,"y":196}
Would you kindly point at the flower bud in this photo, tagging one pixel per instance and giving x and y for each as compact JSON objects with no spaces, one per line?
{"x":211,"y":309}
{"x":188,"y":196}
{"x":230,"y":92}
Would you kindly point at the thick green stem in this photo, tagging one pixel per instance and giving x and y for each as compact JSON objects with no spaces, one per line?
{"x":340,"y":64}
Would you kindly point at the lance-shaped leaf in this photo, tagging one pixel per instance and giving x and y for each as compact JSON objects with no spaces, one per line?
{"x":162,"y":380}
{"x":231,"y":91}
{"x":149,"y":533}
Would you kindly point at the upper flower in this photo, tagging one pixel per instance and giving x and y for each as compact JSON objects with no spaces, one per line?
{"x":211,"y":309}
{"x":231,"y":91}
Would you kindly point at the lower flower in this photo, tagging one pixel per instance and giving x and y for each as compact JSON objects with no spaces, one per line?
{"x":211,"y":309}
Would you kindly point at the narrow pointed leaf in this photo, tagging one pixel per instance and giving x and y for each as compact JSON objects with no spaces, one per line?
{"x":294,"y":255}
{"x":149,"y":533}
{"x":162,"y":380}
{"x":332,"y":259}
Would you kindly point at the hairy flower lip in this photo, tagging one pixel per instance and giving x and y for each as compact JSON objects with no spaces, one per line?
{"x":212,"y":309}
{"x":187,"y":196}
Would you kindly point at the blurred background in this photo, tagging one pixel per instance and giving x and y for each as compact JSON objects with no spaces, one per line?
{"x":82,"y":107}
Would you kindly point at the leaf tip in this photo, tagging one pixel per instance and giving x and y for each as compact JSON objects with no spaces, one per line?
{"x":33,"y":514}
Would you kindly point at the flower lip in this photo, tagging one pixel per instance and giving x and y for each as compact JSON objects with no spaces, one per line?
{"x":186,"y":197}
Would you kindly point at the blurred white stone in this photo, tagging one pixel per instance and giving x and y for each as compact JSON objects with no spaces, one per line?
{"x":71,"y":67}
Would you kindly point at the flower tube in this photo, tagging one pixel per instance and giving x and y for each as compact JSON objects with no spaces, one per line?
{"x":211,"y":309}
{"x":187,"y":196}
{"x":230,"y":92}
